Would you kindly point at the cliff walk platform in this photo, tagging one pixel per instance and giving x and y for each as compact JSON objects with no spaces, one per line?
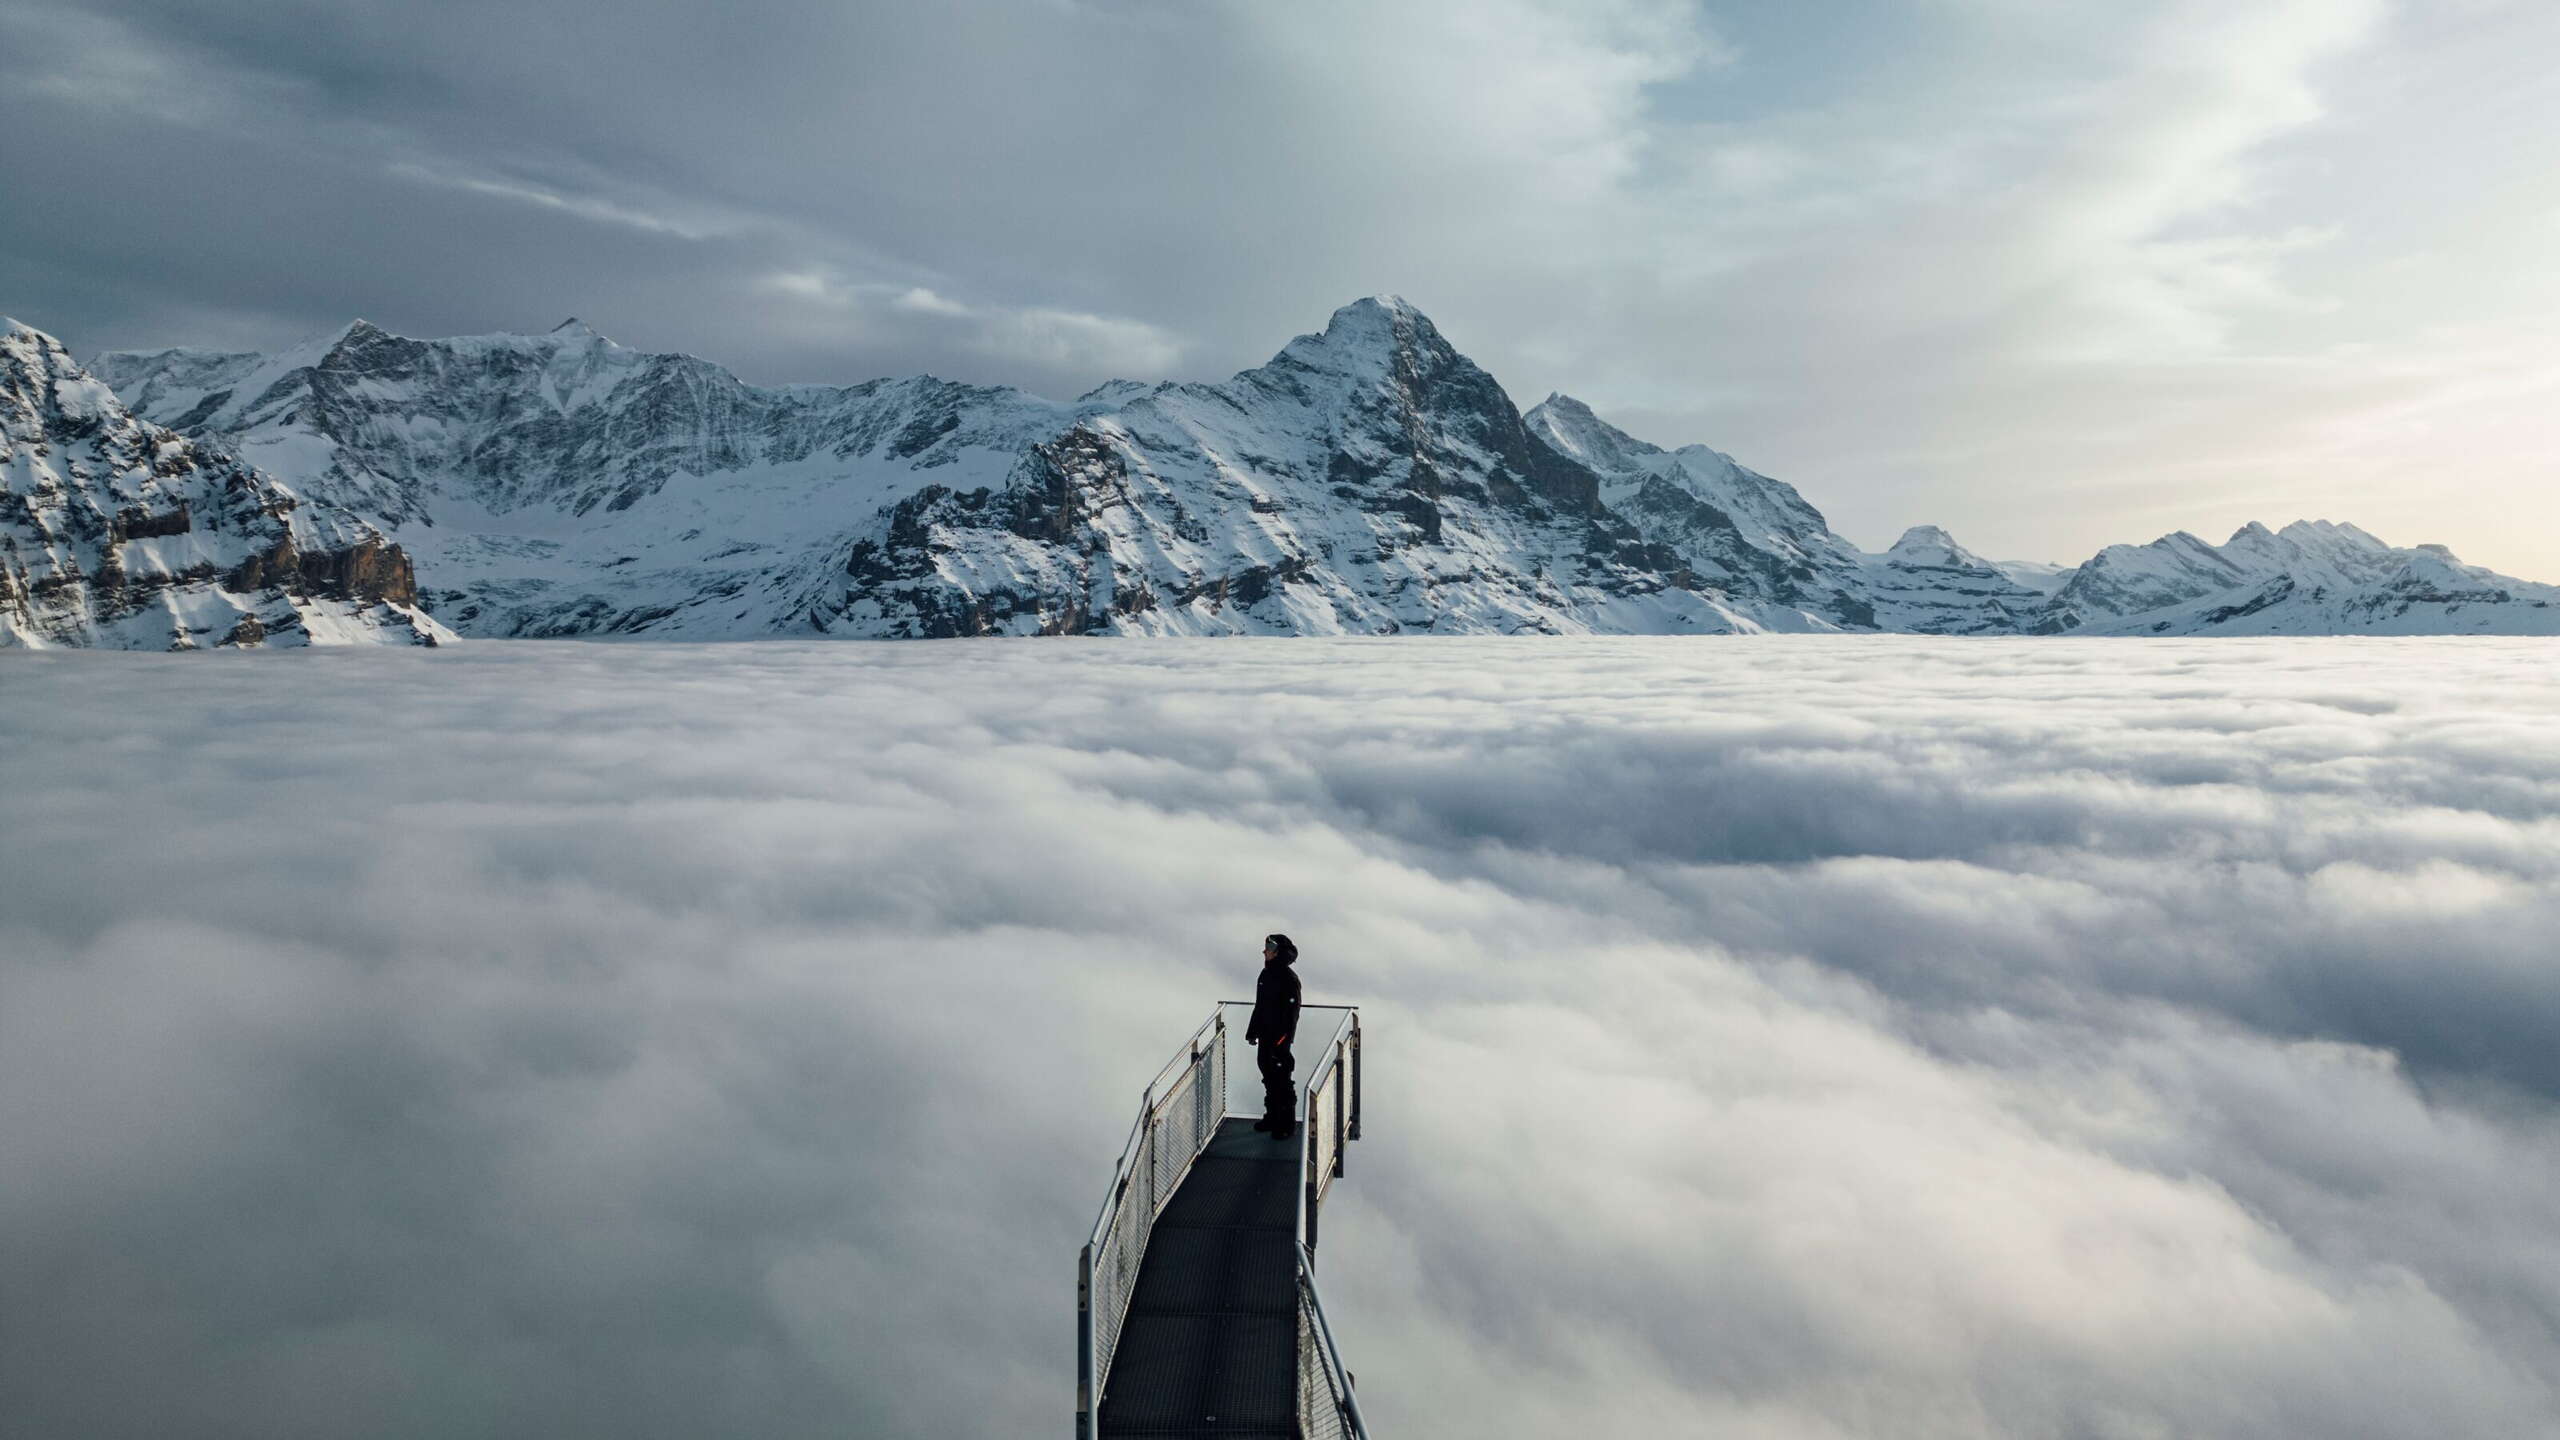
{"x":1196,"y":1306}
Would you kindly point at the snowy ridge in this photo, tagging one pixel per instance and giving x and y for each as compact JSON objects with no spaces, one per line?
{"x":1930,"y":585}
{"x":2310,"y":578}
{"x":1368,"y":479}
{"x":122,"y":534}
{"x":2037,"y":575}
{"x":1740,"y":530}
{"x":561,"y":484}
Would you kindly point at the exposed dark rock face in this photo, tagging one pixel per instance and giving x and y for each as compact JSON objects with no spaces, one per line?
{"x":136,"y":523}
{"x":370,"y":569}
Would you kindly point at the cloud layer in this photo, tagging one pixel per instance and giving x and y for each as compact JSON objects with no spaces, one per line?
{"x":1794,"y":1039}
{"x":2056,"y":277}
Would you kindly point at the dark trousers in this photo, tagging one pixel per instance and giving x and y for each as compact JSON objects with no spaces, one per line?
{"x":1279,"y":1096}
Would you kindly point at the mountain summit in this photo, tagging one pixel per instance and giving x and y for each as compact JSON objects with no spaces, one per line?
{"x":1368,"y":479}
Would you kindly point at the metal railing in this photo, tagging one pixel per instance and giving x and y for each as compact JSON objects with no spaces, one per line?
{"x":1327,"y":1410}
{"x":1176,"y":1121}
{"x":1328,"y":1115}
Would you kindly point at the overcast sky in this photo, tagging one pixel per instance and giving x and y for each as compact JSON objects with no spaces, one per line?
{"x":2051,"y":276}
{"x":1790,"y":1040}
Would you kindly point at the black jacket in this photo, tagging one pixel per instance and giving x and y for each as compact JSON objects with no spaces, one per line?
{"x":1275,"y":1004}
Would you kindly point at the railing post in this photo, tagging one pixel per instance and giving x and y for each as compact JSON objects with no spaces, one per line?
{"x":1355,"y":1074}
{"x":1197,"y":1089}
{"x":1338,"y":1124}
{"x":1084,"y":1345}
{"x":1147,"y":1149}
{"x":1315,"y":1195}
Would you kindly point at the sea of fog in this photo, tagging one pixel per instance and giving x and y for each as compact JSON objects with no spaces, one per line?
{"x":1767,"y":1038}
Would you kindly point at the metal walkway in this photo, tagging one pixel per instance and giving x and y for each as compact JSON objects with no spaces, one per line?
{"x":1196,"y":1305}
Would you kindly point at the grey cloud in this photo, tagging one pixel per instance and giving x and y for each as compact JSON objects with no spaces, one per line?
{"x":1798,"y":1038}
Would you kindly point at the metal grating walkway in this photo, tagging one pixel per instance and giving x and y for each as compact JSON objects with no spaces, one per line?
{"x":1211,"y":1343}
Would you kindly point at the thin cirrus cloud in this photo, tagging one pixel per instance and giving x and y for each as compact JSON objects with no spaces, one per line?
{"x":1792,"y":1039}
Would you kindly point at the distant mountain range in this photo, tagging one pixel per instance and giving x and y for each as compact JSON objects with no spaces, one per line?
{"x":1368,"y":480}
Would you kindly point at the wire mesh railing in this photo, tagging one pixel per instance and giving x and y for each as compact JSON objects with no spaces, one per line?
{"x":1180,"y":1115}
{"x":1327,"y":1410}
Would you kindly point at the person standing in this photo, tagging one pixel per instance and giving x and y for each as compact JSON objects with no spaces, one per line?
{"x":1273,"y":1026}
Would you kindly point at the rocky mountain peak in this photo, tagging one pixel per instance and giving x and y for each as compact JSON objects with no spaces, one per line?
{"x":365,"y":347}
{"x":1380,"y":313}
{"x":1400,"y":408}
{"x":359,"y":332}
{"x":1370,"y":336}
{"x":2129,"y":579}
{"x":28,"y":353}
{"x":42,"y":386}
{"x":2256,"y":545}
{"x":25,"y":353}
{"x":1570,"y":426}
{"x":1928,"y":583}
{"x":2324,"y":537}
{"x":1928,"y":545}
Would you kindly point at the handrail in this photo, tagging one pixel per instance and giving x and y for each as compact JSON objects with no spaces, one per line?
{"x":1209,"y":1100}
{"x":1310,"y":1195}
{"x":1337,"y":1379}
{"x":1186,"y":1057}
{"x":1119,"y":1177}
{"x":1344,"y":1041}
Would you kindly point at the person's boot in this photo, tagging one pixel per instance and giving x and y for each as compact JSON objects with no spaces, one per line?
{"x":1263,"y":1124}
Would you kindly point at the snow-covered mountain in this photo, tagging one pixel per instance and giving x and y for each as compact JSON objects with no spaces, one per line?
{"x":1369,"y":479}
{"x":1928,"y":584}
{"x":2310,"y":578}
{"x":2037,"y":575}
{"x":119,"y":533}
{"x":562,"y":484}
{"x":1750,"y":535}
